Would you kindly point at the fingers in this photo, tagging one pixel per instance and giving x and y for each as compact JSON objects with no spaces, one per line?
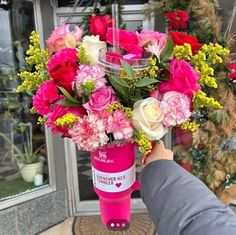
{"x":159,"y":152}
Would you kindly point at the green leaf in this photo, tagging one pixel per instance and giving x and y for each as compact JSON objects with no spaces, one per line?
{"x":127,"y":68}
{"x":146,"y":82}
{"x":68,"y":102}
{"x":117,"y":86}
{"x":167,"y":50}
{"x":121,"y":82}
{"x":68,"y":95}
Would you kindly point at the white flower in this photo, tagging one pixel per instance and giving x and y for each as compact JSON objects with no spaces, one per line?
{"x":147,"y":116}
{"x":92,"y":45}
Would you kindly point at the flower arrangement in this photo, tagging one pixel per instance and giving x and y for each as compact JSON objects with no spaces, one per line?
{"x":76,"y":98}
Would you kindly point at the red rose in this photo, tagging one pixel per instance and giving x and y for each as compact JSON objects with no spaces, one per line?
{"x":177,"y":19}
{"x":127,"y":39}
{"x":62,"y":68}
{"x":232,"y":66}
{"x":180,"y":38}
{"x":99,"y":26}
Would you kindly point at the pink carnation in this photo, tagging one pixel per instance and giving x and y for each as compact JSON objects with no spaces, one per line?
{"x":62,"y":38}
{"x":88,"y":133}
{"x":183,"y":79}
{"x":176,"y":108}
{"x":47,"y":93}
{"x":93,"y":73}
{"x":119,"y":125}
{"x":59,"y":111}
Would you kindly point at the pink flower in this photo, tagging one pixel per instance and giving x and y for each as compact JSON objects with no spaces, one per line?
{"x":154,"y":41}
{"x":176,"y":108}
{"x":62,"y":38}
{"x":113,"y":57}
{"x":47,"y":93}
{"x":59,"y":111}
{"x":62,"y":68}
{"x":183,"y":79}
{"x":119,"y":125}
{"x":100,"y":99}
{"x":127,"y":39}
{"x":93,"y":73}
{"x":133,"y":54}
{"x":150,"y":37}
{"x":232,"y":66}
{"x":88,"y":133}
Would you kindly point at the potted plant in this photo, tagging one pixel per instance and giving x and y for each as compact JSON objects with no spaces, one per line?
{"x":30,"y":164}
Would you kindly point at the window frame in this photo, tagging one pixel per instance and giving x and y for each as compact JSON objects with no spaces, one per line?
{"x":51,"y":187}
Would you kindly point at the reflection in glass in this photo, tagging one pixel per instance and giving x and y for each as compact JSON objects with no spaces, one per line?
{"x":19,"y":133}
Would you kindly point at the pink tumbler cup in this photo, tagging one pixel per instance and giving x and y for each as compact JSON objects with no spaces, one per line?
{"x":113,"y":169}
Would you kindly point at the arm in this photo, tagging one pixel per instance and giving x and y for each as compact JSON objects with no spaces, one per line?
{"x":180,"y":204}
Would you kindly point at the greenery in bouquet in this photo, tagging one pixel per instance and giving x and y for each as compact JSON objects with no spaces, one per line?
{"x":76,"y":98}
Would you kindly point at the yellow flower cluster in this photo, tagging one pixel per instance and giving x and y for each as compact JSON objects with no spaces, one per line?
{"x":36,"y":55}
{"x":83,"y":58}
{"x":41,"y":120}
{"x":214,"y":52}
{"x":31,"y":80}
{"x":206,"y":75}
{"x":183,"y":52}
{"x":200,"y":100}
{"x":127,"y":111}
{"x":39,"y":58}
{"x":151,"y":70}
{"x":66,"y":120}
{"x":144,"y":142}
{"x":190,"y":125}
{"x":200,"y":61}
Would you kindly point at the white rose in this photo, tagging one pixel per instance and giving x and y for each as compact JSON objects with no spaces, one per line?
{"x":147,"y":116}
{"x":92,"y":45}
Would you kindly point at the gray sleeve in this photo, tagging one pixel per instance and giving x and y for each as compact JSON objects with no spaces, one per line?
{"x":180,"y":204}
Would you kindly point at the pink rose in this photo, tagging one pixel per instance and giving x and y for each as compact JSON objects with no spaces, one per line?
{"x":47,"y":93}
{"x":183,"y":79}
{"x":119,"y":125}
{"x":176,"y":108}
{"x":127,"y":39}
{"x":62,"y":38}
{"x":100,"y":99}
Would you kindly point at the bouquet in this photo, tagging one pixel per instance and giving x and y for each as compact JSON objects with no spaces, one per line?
{"x":85,"y":90}
{"x":76,"y":98}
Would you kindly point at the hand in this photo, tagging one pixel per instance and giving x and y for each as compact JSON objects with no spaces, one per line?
{"x":159,"y":152}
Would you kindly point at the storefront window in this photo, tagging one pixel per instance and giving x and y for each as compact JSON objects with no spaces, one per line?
{"x":22,"y":143}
